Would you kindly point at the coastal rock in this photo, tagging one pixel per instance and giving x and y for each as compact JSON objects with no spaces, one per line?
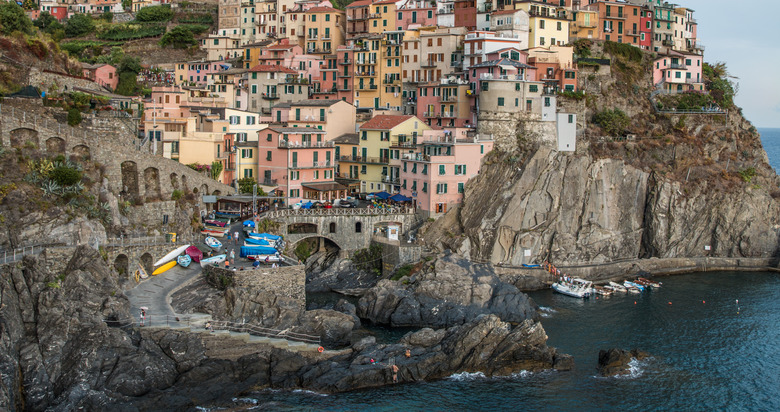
{"x":341,"y":276}
{"x":334,"y":328}
{"x":453,"y":292}
{"x":615,"y":362}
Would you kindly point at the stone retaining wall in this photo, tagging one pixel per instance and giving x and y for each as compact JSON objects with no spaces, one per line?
{"x":285,"y":281}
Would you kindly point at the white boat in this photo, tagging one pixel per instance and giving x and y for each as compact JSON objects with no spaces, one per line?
{"x":213,"y":260}
{"x":262,"y":258}
{"x":173,"y":255}
{"x":578,"y":288}
{"x":212,"y":242}
{"x":633,"y":290}
{"x":636,"y":285}
{"x":618,"y":287}
{"x":602,"y":290}
{"x":648,"y":282}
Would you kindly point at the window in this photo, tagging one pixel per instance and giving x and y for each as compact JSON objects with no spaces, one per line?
{"x":533,"y":88}
{"x":484,"y":86}
{"x":541,"y":24}
{"x":268,"y":155}
{"x":425,"y":187}
{"x":571,"y":118}
{"x":442,"y":169}
{"x":247,"y":172}
{"x":332,"y":227}
{"x":269,"y":137}
{"x":327,"y":17}
{"x":441,"y":188}
{"x":460,"y":188}
{"x":500,"y":101}
{"x":559,"y":26}
{"x":363,"y":169}
{"x":358,"y":227}
{"x":250,"y":120}
{"x":546,"y":102}
{"x":363,"y":135}
{"x":541,"y":41}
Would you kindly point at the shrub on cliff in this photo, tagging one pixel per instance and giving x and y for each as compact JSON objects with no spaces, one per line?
{"x":74,"y":117}
{"x":65,"y":176}
{"x":12,"y":18}
{"x":179,"y":37}
{"x":154,"y":13}
{"x":716,"y":80}
{"x":613,"y":122}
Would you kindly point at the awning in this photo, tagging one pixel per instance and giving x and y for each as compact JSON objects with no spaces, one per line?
{"x":249,"y":223}
{"x":324,"y":186}
{"x":400,"y":198}
{"x":382,"y":195}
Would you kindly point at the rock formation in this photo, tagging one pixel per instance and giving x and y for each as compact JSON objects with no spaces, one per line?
{"x":450,"y":292}
{"x":615,"y":362}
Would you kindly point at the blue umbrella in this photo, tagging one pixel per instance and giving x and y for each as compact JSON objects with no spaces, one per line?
{"x":307,"y":205}
{"x":383,"y":195}
{"x":249,"y":223}
{"x":400,"y":198}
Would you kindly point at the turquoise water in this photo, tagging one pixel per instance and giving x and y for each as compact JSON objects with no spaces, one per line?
{"x":709,"y":353}
{"x":771,"y":141}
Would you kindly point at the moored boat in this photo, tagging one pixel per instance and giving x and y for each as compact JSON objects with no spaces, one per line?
{"x":212,"y":242}
{"x":634,"y":285}
{"x":578,"y":288}
{"x":213,"y":260}
{"x":172,"y":255}
{"x":184,"y":260}
{"x":142,"y":272}
{"x":266,"y":258}
{"x":163,"y":268}
{"x":650,"y":282}
{"x":618,"y":287}
{"x":194,"y":253}
{"x":603,"y":291}
{"x":216,"y":223}
{"x":212,"y":233}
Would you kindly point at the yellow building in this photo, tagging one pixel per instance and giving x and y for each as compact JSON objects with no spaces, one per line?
{"x":252,"y":53}
{"x":369,"y":160}
{"x":382,"y":16}
{"x":549,"y":24}
{"x":585,"y":25}
{"x":390,"y":91}
{"x":324,"y":30}
{"x":367,"y":71}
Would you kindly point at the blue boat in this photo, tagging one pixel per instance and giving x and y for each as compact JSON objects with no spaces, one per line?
{"x":264,"y":235}
{"x":525,"y":265}
{"x":214,"y":260}
{"x":256,"y":250}
{"x":184,"y":260}
{"x":636,"y":285}
{"x":258,"y":241}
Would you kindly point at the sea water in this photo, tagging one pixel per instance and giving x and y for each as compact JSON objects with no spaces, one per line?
{"x":714,"y":338}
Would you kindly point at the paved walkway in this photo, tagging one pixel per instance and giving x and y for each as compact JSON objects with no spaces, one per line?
{"x":154,"y":294}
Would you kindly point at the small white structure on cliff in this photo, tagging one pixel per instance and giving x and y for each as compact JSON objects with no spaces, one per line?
{"x":567,"y":131}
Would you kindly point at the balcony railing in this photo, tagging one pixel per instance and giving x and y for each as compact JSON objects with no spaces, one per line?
{"x":326,"y":91}
{"x":268,"y":182}
{"x":374,"y":15}
{"x":449,"y":98}
{"x":312,"y":165}
{"x":429,"y":63}
{"x":365,"y":62}
{"x":343,"y":88}
{"x":345,"y":61}
{"x":220,"y":154}
{"x":367,"y":87}
{"x":678,"y":66}
{"x":231,"y":167}
{"x":361,"y":159}
{"x":391,"y":80}
{"x":488,"y":76}
{"x":357,"y":17}
{"x":391,"y":180}
{"x":365,"y":74}
{"x":692,"y":80}
{"x":304,"y":145}
{"x":270,"y":96}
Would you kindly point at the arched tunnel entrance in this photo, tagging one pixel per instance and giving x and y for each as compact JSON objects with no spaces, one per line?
{"x":315,"y":247}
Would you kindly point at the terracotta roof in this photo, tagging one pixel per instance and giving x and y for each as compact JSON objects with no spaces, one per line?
{"x":316,"y":102}
{"x":348,"y":138}
{"x":323,"y":9}
{"x":385,"y":122}
{"x":280,"y":47}
{"x":295,"y":130}
{"x":271,"y":68}
{"x":359,"y":3}
{"x":384,"y":2}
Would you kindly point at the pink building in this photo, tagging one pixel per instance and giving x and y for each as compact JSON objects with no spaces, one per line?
{"x":645,"y":28}
{"x":299,"y":162}
{"x":415,"y":14}
{"x":102,"y":74}
{"x":678,"y":72}
{"x":502,"y":69}
{"x":445,"y":104}
{"x":278,"y":53}
{"x":436,"y":172}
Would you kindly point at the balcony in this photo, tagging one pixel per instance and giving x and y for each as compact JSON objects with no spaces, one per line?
{"x":295,"y":80}
{"x":692,"y":81}
{"x":265,"y":110}
{"x":667,"y":43}
{"x":345,"y":88}
{"x":326,"y":91}
{"x":304,"y":145}
{"x":364,"y":74}
{"x":357,"y":17}
{"x":513,"y":77}
{"x":447,"y":114}
{"x":312,"y":165}
{"x":449,"y":98}
{"x":367,"y":87}
{"x":268,"y":182}
{"x":679,"y":66}
{"x":231,"y":167}
{"x":270,"y":96}
{"x":632,"y":33}
{"x":374,"y":15}
{"x":344,"y":75}
{"x":361,"y":159}
{"x":312,"y":37}
{"x":345,"y":62}
{"x":391,"y":180}
{"x":365,"y":62}
{"x":428,"y":64}
{"x":220,"y":154}
{"x":613,"y":17}
{"x":391,"y":80}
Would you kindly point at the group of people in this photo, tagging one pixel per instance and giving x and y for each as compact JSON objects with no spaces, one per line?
{"x":556,"y":272}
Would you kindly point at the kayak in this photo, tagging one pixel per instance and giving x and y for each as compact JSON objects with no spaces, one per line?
{"x":256,"y":250}
{"x":212,"y":233}
{"x":194,"y":253}
{"x":216,"y":223}
{"x":213,"y":260}
{"x":184,"y":260}
{"x":142,"y":272}
{"x":170,"y":256}
{"x":163,"y":268}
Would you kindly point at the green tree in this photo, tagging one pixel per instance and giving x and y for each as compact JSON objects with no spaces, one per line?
{"x":245,"y":184}
{"x":79,"y":25}
{"x":179,"y":37}
{"x":154,"y":13}
{"x":216,"y":169}
{"x":130,"y":64}
{"x":127,"y":5}
{"x":29,"y":5}
{"x":12,"y":18}
{"x":47,"y":23}
{"x":128,"y":84}
{"x":107,"y":16}
{"x":718,"y":81}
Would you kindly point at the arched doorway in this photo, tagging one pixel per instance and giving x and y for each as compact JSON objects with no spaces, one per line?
{"x":19,"y":137}
{"x":130,"y":181}
{"x":152,"y":184}
{"x":122,"y":265}
{"x":55,"y":145}
{"x":147,"y":262}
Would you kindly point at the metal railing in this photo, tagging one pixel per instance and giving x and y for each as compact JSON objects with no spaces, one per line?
{"x":257,"y":330}
{"x":275,"y":214}
{"x":298,"y":145}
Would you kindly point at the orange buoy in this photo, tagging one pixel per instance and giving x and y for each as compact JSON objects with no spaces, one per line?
{"x":634,"y":302}
{"x":320,"y":349}
{"x":703,"y":302}
{"x":670,"y":303}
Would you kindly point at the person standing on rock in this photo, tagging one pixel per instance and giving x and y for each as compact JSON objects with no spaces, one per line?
{"x":395,"y":373}
{"x":143,"y":317}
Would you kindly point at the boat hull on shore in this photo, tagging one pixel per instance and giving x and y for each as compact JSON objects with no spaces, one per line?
{"x":214,"y":260}
{"x":164,"y":268}
{"x":578,"y":288}
{"x":172,"y":255}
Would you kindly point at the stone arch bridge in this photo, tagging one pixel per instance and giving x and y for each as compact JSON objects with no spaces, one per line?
{"x":106,"y":139}
{"x":349,"y":229}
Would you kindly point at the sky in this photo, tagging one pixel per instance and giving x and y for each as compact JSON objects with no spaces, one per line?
{"x":744,"y":35}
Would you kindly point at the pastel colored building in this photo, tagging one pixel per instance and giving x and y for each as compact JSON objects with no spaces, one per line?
{"x":102,"y":74}
{"x":370,"y":160}
{"x":413,"y":14}
{"x":548,"y":23}
{"x":334,"y":117}
{"x":510,"y":23}
{"x":299,"y":163}
{"x":357,"y":18}
{"x":555,"y":67}
{"x":478,"y":44}
{"x":265,"y":83}
{"x":645,"y":28}
{"x":445,"y":104}
{"x":325,"y":30}
{"x":584,"y":24}
{"x":435,"y":173}
{"x":678,"y":72}
{"x":382,"y":16}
